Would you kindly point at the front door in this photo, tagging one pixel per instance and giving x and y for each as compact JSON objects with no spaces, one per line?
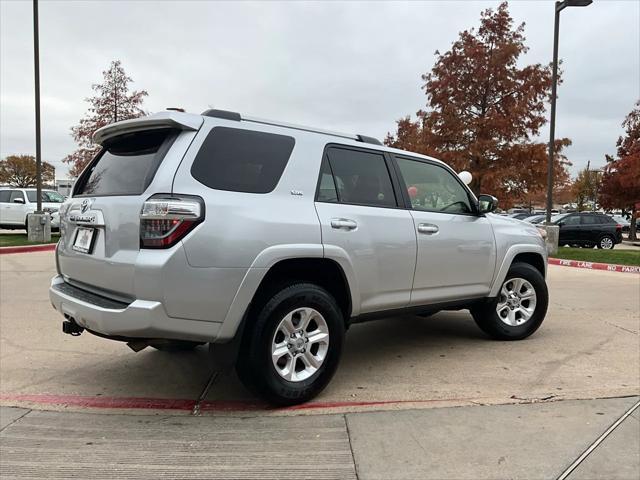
{"x":361,"y":220}
{"x":16,"y":209}
{"x":456,"y":247}
{"x":570,"y":230}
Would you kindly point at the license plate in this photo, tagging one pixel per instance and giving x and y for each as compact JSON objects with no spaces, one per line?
{"x":84,"y":239}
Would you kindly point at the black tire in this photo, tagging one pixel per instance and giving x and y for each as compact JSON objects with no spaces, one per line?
{"x":605,"y":240}
{"x":254,"y":365}
{"x":488,"y":319}
{"x":175,"y":345}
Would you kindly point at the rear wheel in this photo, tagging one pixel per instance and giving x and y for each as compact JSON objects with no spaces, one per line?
{"x":519,"y":308}
{"x":607,"y":242}
{"x":292,"y":346}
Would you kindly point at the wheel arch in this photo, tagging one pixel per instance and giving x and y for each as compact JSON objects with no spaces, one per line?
{"x":533,"y":255}
{"x":310,"y":266}
{"x":323,"y":272}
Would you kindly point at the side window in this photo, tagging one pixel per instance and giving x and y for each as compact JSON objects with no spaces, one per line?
{"x":590,"y":220}
{"x":16,"y":194}
{"x":571,"y":220}
{"x":327,"y":188}
{"x":242,"y":160}
{"x":4,"y":196}
{"x":361,"y":178}
{"x":433,"y":188}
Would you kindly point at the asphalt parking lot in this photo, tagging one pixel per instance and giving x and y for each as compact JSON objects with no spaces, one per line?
{"x":529,"y":408}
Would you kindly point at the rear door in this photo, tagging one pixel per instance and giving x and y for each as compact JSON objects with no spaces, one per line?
{"x":590,"y":227}
{"x":361,"y":216}
{"x":456,"y":247}
{"x":100,"y":223}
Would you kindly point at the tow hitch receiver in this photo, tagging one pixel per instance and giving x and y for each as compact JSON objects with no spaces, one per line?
{"x":70,"y":327}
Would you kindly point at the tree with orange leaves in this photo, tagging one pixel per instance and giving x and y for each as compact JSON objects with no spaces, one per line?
{"x":113,"y":103}
{"x":620,"y":186}
{"x":483,"y":111}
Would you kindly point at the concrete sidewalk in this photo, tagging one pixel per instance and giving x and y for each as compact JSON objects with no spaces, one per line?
{"x":535,"y":441}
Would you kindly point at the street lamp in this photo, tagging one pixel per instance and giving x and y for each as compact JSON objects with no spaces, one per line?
{"x":554,"y":83}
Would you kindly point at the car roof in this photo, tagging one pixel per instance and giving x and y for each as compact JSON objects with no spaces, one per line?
{"x":191,"y":121}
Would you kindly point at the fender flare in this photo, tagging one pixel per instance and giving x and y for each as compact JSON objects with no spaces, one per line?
{"x":260,"y":267}
{"x":508,"y":260}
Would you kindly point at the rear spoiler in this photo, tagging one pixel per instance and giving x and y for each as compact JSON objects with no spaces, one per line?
{"x":181,"y":121}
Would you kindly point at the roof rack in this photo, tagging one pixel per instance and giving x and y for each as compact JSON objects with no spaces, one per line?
{"x":225,"y":114}
{"x":228,"y":115}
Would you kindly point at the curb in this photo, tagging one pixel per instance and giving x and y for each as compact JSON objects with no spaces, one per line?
{"x":28,"y":248}
{"x":181,"y":404}
{"x":610,"y":267}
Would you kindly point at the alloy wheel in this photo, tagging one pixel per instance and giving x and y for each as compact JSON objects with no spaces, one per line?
{"x":300,"y":344}
{"x":517,"y":302}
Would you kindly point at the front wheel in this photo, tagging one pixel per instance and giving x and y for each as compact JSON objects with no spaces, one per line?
{"x":519,"y":308}
{"x":292,"y":345}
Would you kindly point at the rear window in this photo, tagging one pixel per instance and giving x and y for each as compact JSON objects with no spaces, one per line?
{"x":127,"y":164}
{"x":242,"y":160}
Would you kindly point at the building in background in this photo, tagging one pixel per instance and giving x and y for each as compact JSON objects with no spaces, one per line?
{"x":64,"y":186}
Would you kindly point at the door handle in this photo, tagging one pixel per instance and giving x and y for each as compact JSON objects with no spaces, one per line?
{"x":428,"y":228}
{"x":343,"y":223}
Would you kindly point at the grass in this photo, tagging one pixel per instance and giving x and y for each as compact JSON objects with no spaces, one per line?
{"x":16,"y":239}
{"x":619,"y":257}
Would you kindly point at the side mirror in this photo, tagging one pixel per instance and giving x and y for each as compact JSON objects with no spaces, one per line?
{"x":466,"y":177}
{"x":18,"y":200}
{"x":487,"y":203}
{"x":560,"y":224}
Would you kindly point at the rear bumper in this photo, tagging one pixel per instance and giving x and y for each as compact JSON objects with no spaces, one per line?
{"x":139,"y":319}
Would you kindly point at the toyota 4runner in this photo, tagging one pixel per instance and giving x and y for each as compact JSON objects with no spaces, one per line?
{"x":268,"y":240}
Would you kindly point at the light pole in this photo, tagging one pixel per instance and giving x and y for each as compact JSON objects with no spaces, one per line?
{"x":36,"y":68}
{"x":554,"y":83}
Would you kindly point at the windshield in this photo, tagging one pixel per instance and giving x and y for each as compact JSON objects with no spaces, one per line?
{"x":557,"y":218}
{"x":48,"y":196}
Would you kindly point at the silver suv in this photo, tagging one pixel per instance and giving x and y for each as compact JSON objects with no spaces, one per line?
{"x":268,"y":240}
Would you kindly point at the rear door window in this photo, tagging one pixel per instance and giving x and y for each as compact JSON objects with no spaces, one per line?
{"x":571,"y":220}
{"x":240,"y":160}
{"x":127,"y":164}
{"x":361,"y":177}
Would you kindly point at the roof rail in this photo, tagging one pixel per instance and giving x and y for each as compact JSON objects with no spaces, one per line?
{"x":365,"y":139}
{"x":224,"y":114}
{"x":227,"y":115}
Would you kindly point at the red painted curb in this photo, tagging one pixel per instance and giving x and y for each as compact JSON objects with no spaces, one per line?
{"x":184,"y":404}
{"x":28,"y":248}
{"x":610,"y":267}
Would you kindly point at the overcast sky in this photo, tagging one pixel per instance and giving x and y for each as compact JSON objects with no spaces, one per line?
{"x":346,"y":66}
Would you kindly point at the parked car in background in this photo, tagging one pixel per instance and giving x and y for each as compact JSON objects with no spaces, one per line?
{"x":17,"y":203}
{"x":521,"y":215}
{"x":535,"y":219}
{"x":588,"y":229}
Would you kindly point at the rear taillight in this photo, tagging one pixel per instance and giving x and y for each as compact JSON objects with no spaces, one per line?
{"x":619,"y":227}
{"x":165,"y":220}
